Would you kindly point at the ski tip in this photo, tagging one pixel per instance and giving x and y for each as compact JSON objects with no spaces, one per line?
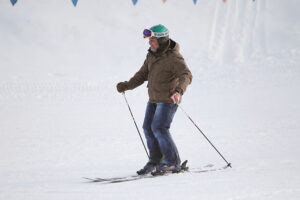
{"x":86,"y":178}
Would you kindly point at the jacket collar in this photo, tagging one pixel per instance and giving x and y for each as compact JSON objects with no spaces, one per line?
{"x":169,"y":46}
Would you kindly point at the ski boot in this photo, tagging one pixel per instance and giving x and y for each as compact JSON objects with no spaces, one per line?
{"x":148,"y":168}
{"x":165,"y":169}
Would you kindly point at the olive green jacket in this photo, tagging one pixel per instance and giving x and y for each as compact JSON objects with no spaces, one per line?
{"x":166,"y":73}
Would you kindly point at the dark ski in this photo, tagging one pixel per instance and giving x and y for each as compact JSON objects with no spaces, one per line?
{"x":185,"y":169}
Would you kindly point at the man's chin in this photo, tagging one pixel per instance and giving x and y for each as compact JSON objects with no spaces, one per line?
{"x":153,"y":50}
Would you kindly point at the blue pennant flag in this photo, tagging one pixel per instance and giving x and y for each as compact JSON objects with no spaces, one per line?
{"x":13,"y":2}
{"x":74,"y":2}
{"x":195,"y":1}
{"x":134,"y":1}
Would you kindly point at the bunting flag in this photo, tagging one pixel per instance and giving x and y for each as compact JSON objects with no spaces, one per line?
{"x":195,"y":1}
{"x":134,"y":1}
{"x":74,"y":2}
{"x":13,"y":2}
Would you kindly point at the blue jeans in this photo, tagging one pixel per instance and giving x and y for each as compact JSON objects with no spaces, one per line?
{"x":158,"y":119}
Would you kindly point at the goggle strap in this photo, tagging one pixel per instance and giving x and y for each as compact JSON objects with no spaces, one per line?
{"x":159,"y":35}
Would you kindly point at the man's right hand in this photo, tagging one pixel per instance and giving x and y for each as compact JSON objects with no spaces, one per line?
{"x":122,"y":86}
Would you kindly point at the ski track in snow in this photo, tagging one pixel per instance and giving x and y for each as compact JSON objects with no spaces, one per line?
{"x":50,"y":90}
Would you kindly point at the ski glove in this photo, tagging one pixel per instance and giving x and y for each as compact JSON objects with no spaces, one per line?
{"x":122,"y":86}
{"x":176,"y":98}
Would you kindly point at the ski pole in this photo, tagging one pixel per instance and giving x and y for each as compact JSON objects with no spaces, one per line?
{"x":135,"y":124}
{"x":228,"y":164}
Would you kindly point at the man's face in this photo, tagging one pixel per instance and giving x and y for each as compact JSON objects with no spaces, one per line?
{"x":153,"y":44}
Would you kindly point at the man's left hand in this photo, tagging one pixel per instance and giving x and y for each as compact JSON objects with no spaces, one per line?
{"x":176,"y":97}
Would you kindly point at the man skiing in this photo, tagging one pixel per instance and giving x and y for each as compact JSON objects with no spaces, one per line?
{"x":168,"y":77}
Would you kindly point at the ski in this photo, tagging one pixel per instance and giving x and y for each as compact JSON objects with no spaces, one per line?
{"x":207,"y":168}
{"x":126,"y":178}
{"x":135,"y":177}
{"x":114,"y":178}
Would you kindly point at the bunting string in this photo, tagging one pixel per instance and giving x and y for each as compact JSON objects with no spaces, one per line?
{"x":13,"y":2}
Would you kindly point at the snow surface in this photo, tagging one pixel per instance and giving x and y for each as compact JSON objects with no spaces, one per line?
{"x":61,"y":118}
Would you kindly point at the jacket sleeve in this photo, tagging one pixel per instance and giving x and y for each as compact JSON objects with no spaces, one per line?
{"x":183,"y":74}
{"x":140,"y":77}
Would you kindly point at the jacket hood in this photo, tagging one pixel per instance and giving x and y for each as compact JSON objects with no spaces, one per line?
{"x":174,"y":46}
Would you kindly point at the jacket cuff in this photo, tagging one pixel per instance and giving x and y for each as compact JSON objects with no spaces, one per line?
{"x":179,"y":90}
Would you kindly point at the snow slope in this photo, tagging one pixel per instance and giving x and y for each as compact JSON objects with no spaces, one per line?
{"x":61,"y":118}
